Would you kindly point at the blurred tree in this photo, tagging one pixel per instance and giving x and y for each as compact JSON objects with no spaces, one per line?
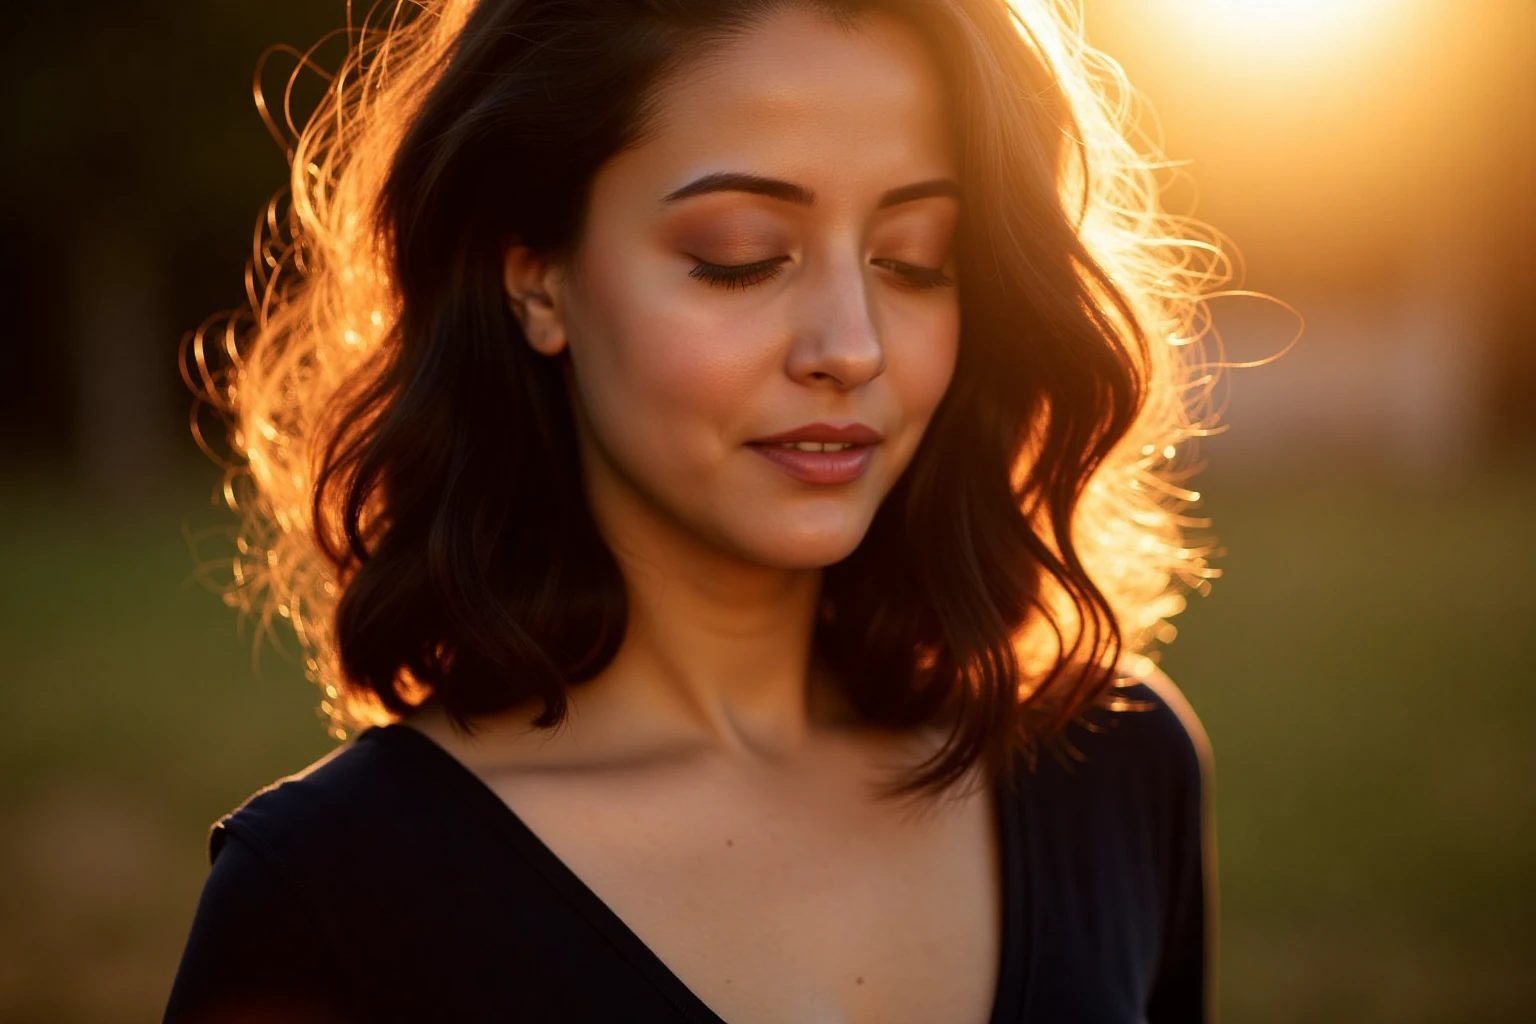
{"x":136,"y":166}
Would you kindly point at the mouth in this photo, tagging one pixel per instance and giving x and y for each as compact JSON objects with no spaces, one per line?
{"x":824,"y":436}
{"x":810,"y":446}
{"x":817,"y":462}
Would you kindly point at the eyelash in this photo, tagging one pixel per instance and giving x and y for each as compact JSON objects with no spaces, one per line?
{"x":748,"y":274}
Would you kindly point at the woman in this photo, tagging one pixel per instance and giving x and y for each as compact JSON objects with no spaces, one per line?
{"x":713,"y":448}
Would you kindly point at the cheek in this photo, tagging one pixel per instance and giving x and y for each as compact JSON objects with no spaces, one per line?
{"x":660,"y":372}
{"x":921,"y":353}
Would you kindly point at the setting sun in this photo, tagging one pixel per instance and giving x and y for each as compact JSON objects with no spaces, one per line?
{"x":1281,"y":26}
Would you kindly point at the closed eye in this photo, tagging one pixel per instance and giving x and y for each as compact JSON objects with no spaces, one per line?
{"x":920,"y":277}
{"x":747,"y":274}
{"x":743,"y":276}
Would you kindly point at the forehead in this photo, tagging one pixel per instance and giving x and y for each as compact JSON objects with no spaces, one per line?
{"x":849,"y":111}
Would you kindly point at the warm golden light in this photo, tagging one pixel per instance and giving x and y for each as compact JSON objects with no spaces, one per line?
{"x":322,"y":307}
{"x":1295,"y":29}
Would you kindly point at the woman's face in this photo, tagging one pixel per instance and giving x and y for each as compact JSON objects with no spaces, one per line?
{"x":836,"y":193}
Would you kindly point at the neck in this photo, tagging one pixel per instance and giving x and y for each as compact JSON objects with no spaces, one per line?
{"x":718,"y":651}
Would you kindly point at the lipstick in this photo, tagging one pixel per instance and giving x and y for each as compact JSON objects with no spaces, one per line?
{"x":852,"y":447}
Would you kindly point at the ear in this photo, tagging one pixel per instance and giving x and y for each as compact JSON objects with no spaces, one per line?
{"x":532,"y":283}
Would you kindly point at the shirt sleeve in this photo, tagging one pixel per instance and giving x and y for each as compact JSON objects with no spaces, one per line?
{"x":254,"y":954}
{"x":1185,"y":985}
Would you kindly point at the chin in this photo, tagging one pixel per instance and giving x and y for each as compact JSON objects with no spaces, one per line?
{"x":808,"y":548}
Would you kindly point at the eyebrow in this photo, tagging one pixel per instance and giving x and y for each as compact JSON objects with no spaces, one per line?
{"x":789,"y":192}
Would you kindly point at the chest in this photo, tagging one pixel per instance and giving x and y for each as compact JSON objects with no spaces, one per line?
{"x":798,"y":902}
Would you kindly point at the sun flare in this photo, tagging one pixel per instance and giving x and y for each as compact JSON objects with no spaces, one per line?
{"x":1291,"y":26}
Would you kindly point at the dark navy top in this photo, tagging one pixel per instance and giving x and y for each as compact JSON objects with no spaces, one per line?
{"x":389,"y":883}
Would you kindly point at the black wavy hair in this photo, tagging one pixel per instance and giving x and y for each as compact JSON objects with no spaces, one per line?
{"x":432,"y":541}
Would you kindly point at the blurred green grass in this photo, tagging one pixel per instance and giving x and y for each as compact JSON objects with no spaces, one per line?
{"x":1362,"y":670}
{"x":135,"y":719}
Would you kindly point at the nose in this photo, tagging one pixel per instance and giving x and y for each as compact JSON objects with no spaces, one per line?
{"x":837,"y":336}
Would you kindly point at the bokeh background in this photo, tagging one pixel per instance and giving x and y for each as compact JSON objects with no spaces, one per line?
{"x":1363,"y":667}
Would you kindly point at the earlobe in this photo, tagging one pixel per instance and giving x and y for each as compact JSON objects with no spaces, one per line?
{"x":526,"y":278}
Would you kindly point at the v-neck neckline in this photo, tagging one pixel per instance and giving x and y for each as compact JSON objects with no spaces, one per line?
{"x":1016,"y":955}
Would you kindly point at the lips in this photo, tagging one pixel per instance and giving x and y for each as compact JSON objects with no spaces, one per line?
{"x":827,"y":433}
{"x":839,"y":467}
